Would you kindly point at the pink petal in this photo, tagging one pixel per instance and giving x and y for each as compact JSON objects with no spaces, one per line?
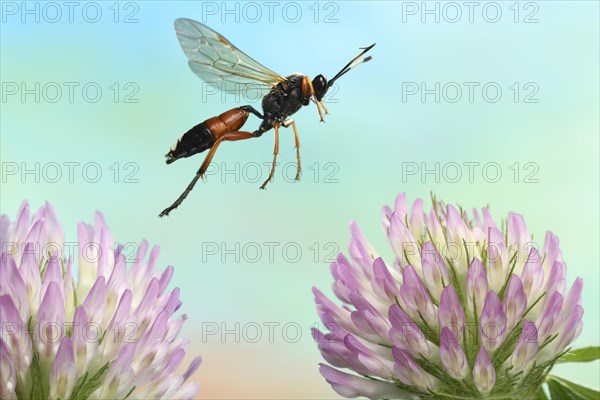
{"x":550,"y":319}
{"x":403,"y":243}
{"x":477,"y":285}
{"x":556,"y":279}
{"x":8,"y":383}
{"x":517,"y":230}
{"x":51,"y":321}
{"x":367,"y":318}
{"x":14,"y":334}
{"x":497,"y":259}
{"x":415,"y":296}
{"x":192,"y":367}
{"x":416,"y":218}
{"x":573,"y":297}
{"x":348,"y":385}
{"x":12,"y":283}
{"x":484,"y":375}
{"x":63,"y":374}
{"x":527,"y":347}
{"x":515,"y":301}
{"x":405,"y":334}
{"x":492,"y":322}
{"x":409,"y":372}
{"x":450,"y":313}
{"x":435,"y":272}
{"x":453,"y":357}
{"x":533,"y":275}
{"x":383,"y":283}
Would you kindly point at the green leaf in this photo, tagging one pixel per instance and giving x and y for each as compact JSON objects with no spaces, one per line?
{"x":585,"y":354}
{"x":36,"y":377}
{"x":129,"y":393}
{"x":541,"y":395}
{"x":558,"y":392}
{"x":86,"y":385}
{"x":565,"y":390}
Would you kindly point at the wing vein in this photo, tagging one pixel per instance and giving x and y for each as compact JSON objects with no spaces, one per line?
{"x":215,"y":60}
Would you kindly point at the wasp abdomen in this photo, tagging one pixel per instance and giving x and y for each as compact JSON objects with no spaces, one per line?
{"x":229,"y":121}
{"x":203,"y":136}
{"x":194,"y":141}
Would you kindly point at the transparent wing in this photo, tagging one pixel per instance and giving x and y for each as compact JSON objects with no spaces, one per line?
{"x":214,"y":59}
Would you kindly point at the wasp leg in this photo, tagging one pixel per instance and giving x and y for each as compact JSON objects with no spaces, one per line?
{"x":252,"y":110}
{"x":299,"y":169}
{"x":231,"y":136}
{"x":293,"y":124}
{"x":324,"y":108}
{"x":275,"y":152}
{"x":312,"y":92}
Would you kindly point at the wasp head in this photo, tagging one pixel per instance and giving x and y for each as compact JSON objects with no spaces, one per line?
{"x":320,"y":85}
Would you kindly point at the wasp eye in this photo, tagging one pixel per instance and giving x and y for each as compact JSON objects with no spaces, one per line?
{"x":320,"y":87}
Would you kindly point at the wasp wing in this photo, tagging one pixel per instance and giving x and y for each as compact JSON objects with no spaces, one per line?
{"x":214,"y":59}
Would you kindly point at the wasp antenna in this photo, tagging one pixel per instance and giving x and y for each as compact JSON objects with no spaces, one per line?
{"x":352,"y":63}
{"x":368,"y":47}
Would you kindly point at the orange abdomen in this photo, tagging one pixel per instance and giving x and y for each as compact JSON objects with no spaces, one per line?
{"x":229,"y":121}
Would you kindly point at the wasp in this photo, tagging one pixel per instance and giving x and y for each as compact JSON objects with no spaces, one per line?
{"x":215,"y":60}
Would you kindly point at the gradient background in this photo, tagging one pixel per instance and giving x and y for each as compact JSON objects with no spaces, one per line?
{"x":370,"y":137}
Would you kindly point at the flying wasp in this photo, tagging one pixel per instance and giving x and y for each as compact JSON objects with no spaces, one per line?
{"x":214,"y":59}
